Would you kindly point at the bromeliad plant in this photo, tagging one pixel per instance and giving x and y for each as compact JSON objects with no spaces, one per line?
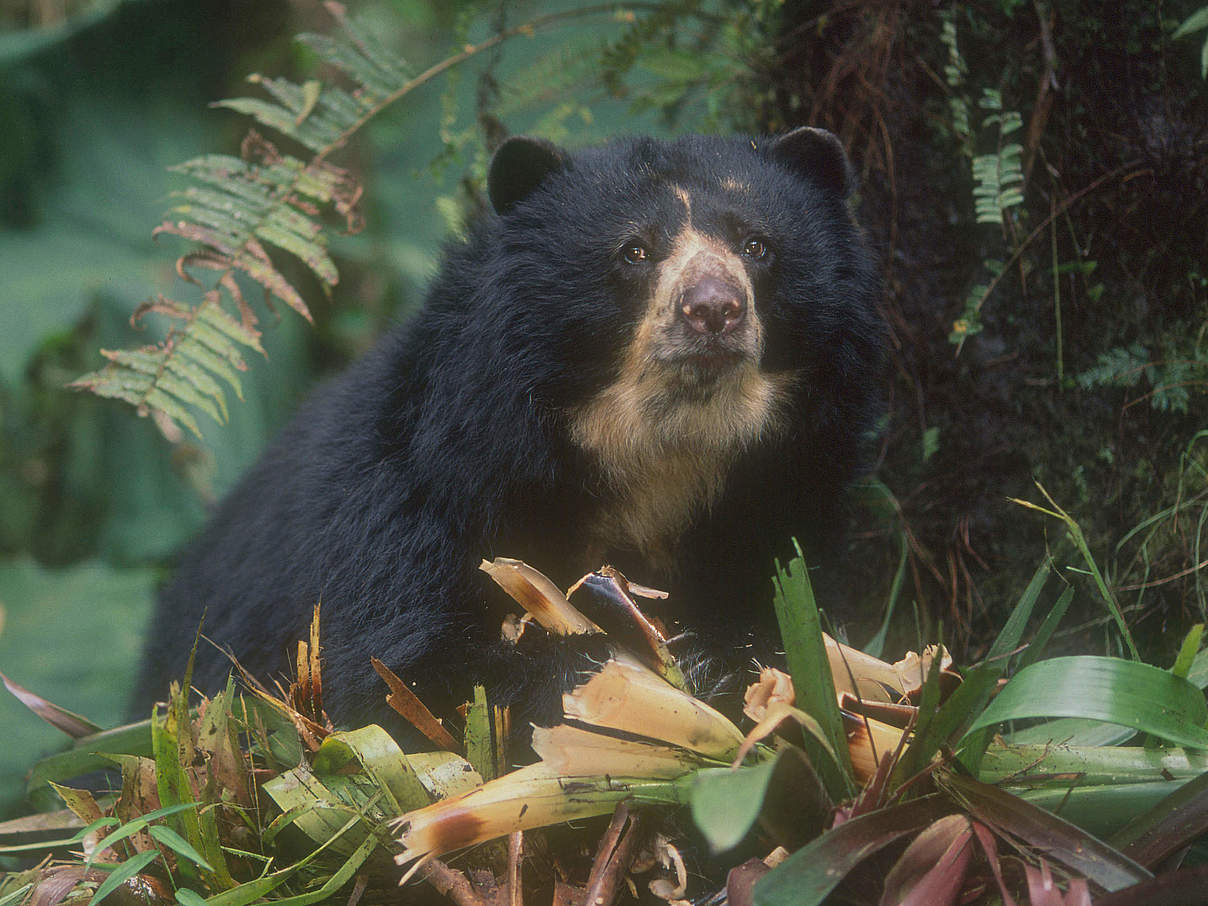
{"x":864,"y":781}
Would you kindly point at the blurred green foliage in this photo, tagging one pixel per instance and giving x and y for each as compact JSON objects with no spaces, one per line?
{"x":71,"y":634}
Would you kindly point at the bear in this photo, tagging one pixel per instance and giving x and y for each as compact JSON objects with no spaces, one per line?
{"x":662,"y":355}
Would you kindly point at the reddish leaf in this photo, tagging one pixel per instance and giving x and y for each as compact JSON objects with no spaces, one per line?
{"x":1171,"y":824}
{"x":69,"y":722}
{"x":990,"y":847}
{"x":740,"y":882}
{"x":1047,"y":834}
{"x":931,"y":872}
{"x":55,"y":884}
{"x":1044,"y":891}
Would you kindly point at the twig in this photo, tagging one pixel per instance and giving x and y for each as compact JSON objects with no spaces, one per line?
{"x":1186,"y":572}
{"x":451,"y":883}
{"x":515,"y":852}
{"x":614,"y":856}
{"x":358,"y":889}
{"x":1044,"y":90}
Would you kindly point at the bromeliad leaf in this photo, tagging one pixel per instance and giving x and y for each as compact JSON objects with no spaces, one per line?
{"x":807,"y":876}
{"x":1121,"y":692}
{"x":727,"y":803}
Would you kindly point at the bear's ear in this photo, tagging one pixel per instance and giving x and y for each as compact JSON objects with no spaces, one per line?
{"x":518,"y":167}
{"x":815,"y":154}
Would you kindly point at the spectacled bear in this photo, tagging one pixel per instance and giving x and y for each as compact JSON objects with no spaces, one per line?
{"x":660,"y":355}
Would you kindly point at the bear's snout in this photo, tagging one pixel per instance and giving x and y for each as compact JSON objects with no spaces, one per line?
{"x":712,"y":305}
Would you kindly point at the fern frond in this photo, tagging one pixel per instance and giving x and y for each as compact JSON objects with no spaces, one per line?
{"x":999,"y":176}
{"x":167,"y":377}
{"x":999,"y":179}
{"x":954,"y":74}
{"x":237,"y":210}
{"x":243,"y":211}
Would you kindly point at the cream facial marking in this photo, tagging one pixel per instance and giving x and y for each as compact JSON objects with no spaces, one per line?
{"x":666,"y":431}
{"x":682,"y":194}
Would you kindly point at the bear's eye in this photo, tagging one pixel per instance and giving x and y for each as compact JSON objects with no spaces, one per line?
{"x":755,"y":249}
{"x":635,"y":253}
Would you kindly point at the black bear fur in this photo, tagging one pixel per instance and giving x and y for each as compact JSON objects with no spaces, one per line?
{"x":491,"y":424}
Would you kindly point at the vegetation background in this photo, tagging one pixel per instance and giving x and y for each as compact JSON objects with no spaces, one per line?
{"x":1049,"y":305}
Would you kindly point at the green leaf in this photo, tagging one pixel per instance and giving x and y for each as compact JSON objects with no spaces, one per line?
{"x":1036,"y":647}
{"x":315,"y":809}
{"x":178,"y":845}
{"x":86,"y":756}
{"x":1100,"y":809}
{"x":337,"y":880}
{"x":1044,"y":764}
{"x":1075,"y":534}
{"x":1127,"y":693}
{"x":479,"y":741}
{"x":971,"y":696}
{"x":726,"y":803}
{"x":1071,"y":731}
{"x":16,"y":896}
{"x":378,"y":756}
{"x":1197,"y":21}
{"x":130,"y":828}
{"x":274,"y":116}
{"x":187,"y":897}
{"x":1188,"y":651}
{"x":251,"y":891}
{"x":123,"y":873}
{"x":805,"y":652}
{"x":174,"y":750}
{"x":927,"y":737}
{"x":93,"y":828}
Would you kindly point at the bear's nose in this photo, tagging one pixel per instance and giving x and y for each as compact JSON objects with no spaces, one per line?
{"x":713,"y":306}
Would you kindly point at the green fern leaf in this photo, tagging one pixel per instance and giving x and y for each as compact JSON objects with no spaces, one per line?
{"x":137,"y":388}
{"x":360,"y":57}
{"x":213,"y":363}
{"x":217,"y":329}
{"x":242,"y":211}
{"x":203,"y":391}
{"x":179,"y":372}
{"x":274,"y":116}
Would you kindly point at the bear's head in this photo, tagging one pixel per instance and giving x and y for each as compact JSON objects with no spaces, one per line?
{"x":686,"y":295}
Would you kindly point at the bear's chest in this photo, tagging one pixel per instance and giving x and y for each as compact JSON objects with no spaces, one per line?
{"x":648,"y":508}
{"x":663,"y":461}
